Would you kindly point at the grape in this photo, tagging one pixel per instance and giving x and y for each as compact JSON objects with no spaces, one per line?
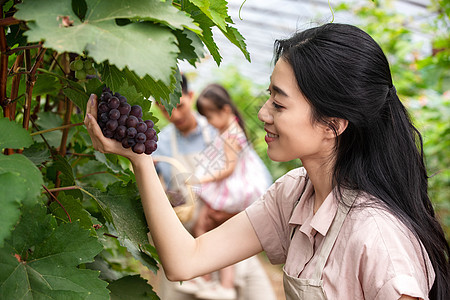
{"x":120,"y":121}
{"x":131,"y":142}
{"x":124,"y":108}
{"x":132,"y":121}
{"x":121,"y":131}
{"x":80,"y":75}
{"x":149,"y":123}
{"x":139,"y":148}
{"x":103,"y":107}
{"x":111,"y":125}
{"x":104,"y":117}
{"x":140,"y":138}
{"x":113,"y":102}
{"x":114,"y":114}
{"x":131,"y":132}
{"x":76,"y":65}
{"x":125,"y":143}
{"x":90,"y":71}
{"x":87,"y":65}
{"x":150,"y":133}
{"x":150,"y":146}
{"x":108,"y":133}
{"x":141,"y":127}
{"x":136,"y":111}
{"x":105,"y":96}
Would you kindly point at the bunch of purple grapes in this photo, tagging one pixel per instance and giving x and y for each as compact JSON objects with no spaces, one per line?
{"x":123,"y":122}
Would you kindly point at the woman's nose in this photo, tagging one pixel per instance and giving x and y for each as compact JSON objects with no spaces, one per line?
{"x":264,"y":113}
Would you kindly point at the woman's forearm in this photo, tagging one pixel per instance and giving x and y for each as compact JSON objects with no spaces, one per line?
{"x":167,"y":232}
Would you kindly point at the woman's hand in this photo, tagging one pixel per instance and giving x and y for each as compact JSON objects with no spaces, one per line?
{"x":102,"y":143}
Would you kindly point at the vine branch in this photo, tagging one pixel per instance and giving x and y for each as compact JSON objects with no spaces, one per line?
{"x":56,"y":199}
{"x":56,"y":128}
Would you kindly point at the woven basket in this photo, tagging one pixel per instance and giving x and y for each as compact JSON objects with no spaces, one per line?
{"x":184,"y":211}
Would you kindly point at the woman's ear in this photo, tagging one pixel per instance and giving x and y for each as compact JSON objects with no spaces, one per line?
{"x":336,"y":126}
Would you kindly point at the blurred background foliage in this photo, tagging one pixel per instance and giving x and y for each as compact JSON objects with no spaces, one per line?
{"x":421,"y":73}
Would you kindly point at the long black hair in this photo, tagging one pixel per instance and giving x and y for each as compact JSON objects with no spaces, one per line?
{"x":220,"y":97}
{"x":344,"y":73}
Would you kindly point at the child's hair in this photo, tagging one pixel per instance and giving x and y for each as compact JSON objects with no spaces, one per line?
{"x":344,"y":73}
{"x":219,"y":97}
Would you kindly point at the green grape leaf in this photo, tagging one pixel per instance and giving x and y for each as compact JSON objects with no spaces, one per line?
{"x":57,"y":24}
{"x":237,"y":39}
{"x":174,"y":97}
{"x":78,"y":97}
{"x":128,"y":221}
{"x":126,"y":210}
{"x":64,"y":171}
{"x":131,"y":287}
{"x":41,"y":259}
{"x":37,"y":154}
{"x":141,"y":252}
{"x":112,"y":76}
{"x":46,"y":84}
{"x":191,"y":46}
{"x":147,"y":86}
{"x":48,"y":120}
{"x":12,"y":135}
{"x":216,"y":10}
{"x":21,"y":166}
{"x":12,"y":195}
{"x":95,"y":174}
{"x":74,"y":209}
{"x":207,"y":35}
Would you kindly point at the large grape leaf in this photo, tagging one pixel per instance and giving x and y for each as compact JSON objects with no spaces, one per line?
{"x":128,"y":219}
{"x":115,"y":79}
{"x":74,"y":209}
{"x":12,"y":135}
{"x":131,"y":287}
{"x":38,"y":154}
{"x":40,"y":260}
{"x":48,"y":120}
{"x":20,"y":182}
{"x":23,"y":167}
{"x":208,"y":13}
{"x":11,"y":195}
{"x":144,"y":47}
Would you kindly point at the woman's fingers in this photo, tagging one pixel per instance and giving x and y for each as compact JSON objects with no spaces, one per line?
{"x":91,"y":107}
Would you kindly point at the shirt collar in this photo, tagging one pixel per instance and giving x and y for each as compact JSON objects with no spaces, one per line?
{"x":303,"y":212}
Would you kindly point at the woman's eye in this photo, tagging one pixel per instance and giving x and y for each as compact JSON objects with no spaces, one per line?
{"x":277,"y":106}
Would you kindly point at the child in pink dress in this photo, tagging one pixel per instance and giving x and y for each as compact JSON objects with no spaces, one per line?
{"x":230,"y":174}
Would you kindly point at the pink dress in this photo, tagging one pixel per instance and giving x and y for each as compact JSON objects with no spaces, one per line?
{"x":246,"y":184}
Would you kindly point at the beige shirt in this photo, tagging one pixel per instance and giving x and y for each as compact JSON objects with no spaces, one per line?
{"x":374,"y":257}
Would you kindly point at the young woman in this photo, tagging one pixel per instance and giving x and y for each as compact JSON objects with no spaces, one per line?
{"x":355,"y":222}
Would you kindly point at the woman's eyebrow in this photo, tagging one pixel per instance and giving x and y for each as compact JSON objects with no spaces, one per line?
{"x":279,"y":90}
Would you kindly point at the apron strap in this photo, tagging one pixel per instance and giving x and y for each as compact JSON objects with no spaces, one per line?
{"x":330,"y":238}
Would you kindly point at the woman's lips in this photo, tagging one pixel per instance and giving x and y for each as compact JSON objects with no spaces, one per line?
{"x":270,"y":137}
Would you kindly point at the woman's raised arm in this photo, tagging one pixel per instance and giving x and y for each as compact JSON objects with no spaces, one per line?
{"x":182,"y":256}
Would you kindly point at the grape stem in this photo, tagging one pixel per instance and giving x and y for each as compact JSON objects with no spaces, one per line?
{"x":56,"y":199}
{"x":56,"y":128}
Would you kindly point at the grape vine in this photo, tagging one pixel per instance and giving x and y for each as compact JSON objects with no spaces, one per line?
{"x":69,"y":211}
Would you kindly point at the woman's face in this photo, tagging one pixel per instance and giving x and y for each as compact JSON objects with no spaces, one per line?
{"x":287,"y":119}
